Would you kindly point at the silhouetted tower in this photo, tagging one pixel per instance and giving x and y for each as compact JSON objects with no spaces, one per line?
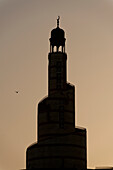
{"x":59,"y":143}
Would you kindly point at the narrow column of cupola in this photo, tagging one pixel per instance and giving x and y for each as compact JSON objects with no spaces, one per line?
{"x":57,"y":72}
{"x":57,"y":61}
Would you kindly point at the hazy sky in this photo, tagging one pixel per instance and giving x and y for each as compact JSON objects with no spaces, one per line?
{"x":25,"y":27}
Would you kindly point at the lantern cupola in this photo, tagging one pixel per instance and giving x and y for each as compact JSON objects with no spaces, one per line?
{"x":57,"y":39}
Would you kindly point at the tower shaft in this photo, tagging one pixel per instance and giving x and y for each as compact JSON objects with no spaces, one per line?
{"x":57,"y":75}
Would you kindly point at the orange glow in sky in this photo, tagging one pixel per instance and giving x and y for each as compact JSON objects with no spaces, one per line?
{"x":24,"y":46}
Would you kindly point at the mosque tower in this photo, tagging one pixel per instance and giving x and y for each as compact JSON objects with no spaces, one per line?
{"x":60,"y":144}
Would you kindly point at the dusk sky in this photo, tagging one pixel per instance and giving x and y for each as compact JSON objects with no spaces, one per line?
{"x":25,"y":27}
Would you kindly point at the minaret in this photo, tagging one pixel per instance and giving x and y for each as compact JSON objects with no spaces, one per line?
{"x":59,"y":143}
{"x":57,"y":61}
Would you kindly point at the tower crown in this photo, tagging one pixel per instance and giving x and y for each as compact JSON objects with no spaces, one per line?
{"x":57,"y":38}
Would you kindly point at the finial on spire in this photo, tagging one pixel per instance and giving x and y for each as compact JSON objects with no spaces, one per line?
{"x":58,"y":21}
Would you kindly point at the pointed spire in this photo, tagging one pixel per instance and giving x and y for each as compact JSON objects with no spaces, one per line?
{"x":58,"y":21}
